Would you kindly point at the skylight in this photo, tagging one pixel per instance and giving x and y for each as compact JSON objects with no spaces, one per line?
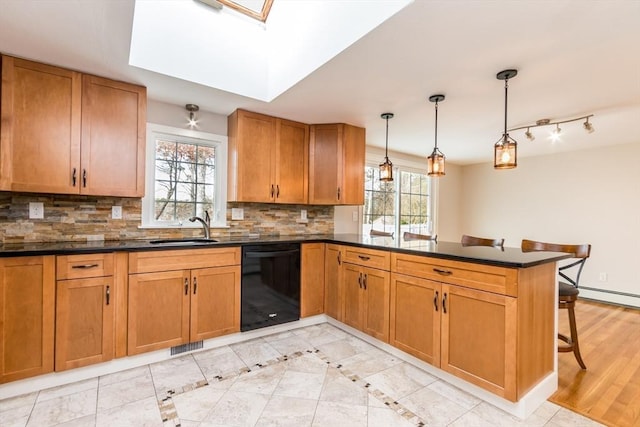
{"x":225,"y":50}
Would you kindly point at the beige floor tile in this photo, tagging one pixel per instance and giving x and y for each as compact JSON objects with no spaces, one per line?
{"x":291,"y":345}
{"x":385,"y":417}
{"x":333,"y":414}
{"x":400,"y":380}
{"x":237,"y":409}
{"x":300,"y":384}
{"x":338,"y":388}
{"x":260,"y":380}
{"x":369,"y":363}
{"x":255,"y":351}
{"x":143,"y":413}
{"x":308,"y":362}
{"x":454,"y":394}
{"x":64,"y":408}
{"x":124,"y":375}
{"x":126,"y":391}
{"x":196,"y":404}
{"x":433,"y":408}
{"x":567,"y":418}
{"x":221,"y":361}
{"x":63,"y":390}
{"x":284,"y":411}
{"x":174,"y":374}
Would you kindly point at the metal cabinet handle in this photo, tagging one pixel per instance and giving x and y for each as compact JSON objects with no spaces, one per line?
{"x":84,"y":177}
{"x":338,"y":193}
{"x":84,"y":266}
{"x":195,"y":285}
{"x":272,"y":191}
{"x":444,"y":303}
{"x":108,"y":294}
{"x":186,"y":286}
{"x":364,"y":258}
{"x":364,"y":282}
{"x":443,"y":272}
{"x":73,"y":177}
{"x":339,"y":258}
{"x":277,"y":191}
{"x":435,"y":301}
{"x":360,"y":280}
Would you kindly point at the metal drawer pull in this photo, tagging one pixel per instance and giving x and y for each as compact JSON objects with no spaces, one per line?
{"x":186,"y":286}
{"x":73,"y":177}
{"x":86,"y":266}
{"x":360,"y":280}
{"x":444,"y":303}
{"x":364,"y":258}
{"x":339,"y":259}
{"x":435,"y":301}
{"x":443,"y":272}
{"x":364,"y":282}
{"x":108,"y":294}
{"x":84,"y":177}
{"x":195,"y":285}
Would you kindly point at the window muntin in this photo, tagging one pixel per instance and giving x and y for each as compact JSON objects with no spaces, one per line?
{"x":415,"y":203}
{"x":379,"y":202}
{"x":185,"y":177}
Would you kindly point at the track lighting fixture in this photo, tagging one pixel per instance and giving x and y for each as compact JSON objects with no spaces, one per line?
{"x":506,"y":149}
{"x":435,"y":162}
{"x":386,"y":168}
{"x":555,"y":133}
{"x":192,"y":108}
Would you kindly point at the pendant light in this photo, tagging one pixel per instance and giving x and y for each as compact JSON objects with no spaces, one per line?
{"x":386,"y":168}
{"x":505,"y":155}
{"x":435,"y":162}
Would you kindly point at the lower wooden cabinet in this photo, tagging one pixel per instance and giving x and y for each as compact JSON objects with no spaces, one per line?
{"x":312,"y":279}
{"x":333,"y":299}
{"x":27,"y":310}
{"x":178,"y":306}
{"x":366,"y":300}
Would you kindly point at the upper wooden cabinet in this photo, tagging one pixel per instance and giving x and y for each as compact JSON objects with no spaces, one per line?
{"x":268,"y":159}
{"x":63,"y":132}
{"x":336,"y":164}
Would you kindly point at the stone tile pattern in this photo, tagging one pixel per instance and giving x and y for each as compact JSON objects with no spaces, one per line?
{"x":334,"y":380}
{"x":81,"y":218}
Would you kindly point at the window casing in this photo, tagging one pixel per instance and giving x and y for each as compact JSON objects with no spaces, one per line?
{"x":405,"y":204}
{"x":186,"y":175}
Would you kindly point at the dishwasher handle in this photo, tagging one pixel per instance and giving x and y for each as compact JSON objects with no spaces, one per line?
{"x":270,"y":254}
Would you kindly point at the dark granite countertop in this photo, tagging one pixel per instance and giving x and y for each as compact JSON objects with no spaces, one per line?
{"x":506,"y":257}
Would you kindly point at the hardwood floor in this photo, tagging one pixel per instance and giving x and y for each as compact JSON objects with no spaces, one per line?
{"x":609,"y":390}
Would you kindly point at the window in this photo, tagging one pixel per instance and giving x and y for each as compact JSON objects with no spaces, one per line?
{"x":402,"y":205}
{"x":186,"y":173}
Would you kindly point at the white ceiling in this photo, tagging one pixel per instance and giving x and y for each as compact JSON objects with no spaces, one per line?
{"x":574,"y":57}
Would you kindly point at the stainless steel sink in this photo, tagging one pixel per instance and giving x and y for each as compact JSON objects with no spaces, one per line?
{"x":195,"y":241}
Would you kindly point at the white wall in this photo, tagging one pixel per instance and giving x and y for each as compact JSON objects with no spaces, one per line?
{"x":449,"y":214}
{"x":590,"y":196}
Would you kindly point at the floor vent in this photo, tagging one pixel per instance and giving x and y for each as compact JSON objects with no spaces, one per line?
{"x":186,"y":347}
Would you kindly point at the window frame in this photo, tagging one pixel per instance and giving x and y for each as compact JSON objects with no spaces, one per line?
{"x":219,"y":142}
{"x":404,"y":165}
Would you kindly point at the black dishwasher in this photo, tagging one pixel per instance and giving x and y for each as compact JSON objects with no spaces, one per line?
{"x":270,"y":284}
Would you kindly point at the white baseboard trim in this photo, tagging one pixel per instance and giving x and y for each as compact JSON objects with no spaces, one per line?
{"x":619,"y":298}
{"x":521,"y":409}
{"x":55,"y":379}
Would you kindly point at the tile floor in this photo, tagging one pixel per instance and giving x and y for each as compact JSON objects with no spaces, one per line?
{"x":313,"y":376}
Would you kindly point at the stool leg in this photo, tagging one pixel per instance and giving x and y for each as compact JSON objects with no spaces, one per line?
{"x":574,"y":335}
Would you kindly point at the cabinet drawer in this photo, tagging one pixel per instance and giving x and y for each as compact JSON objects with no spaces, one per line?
{"x":366,"y":257}
{"x":185,"y":259}
{"x":488,"y":278}
{"x":82,"y":266}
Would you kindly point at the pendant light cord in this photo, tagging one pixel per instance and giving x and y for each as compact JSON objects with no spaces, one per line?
{"x":506,"y":87}
{"x":436,"y":127}
{"x":386,"y":143}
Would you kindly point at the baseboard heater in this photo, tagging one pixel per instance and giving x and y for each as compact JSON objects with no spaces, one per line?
{"x":183,"y":348}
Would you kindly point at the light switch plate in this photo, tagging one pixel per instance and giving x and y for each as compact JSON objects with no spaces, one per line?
{"x":116,"y":212}
{"x":36,"y":210}
{"x":303,"y":214}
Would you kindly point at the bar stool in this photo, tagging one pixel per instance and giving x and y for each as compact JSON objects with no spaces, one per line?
{"x":481,"y":241}
{"x":567,"y":292}
{"x":415,"y":236}
{"x":381,"y":233}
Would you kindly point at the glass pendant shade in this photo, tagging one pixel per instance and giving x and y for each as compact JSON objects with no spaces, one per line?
{"x":435,"y":163}
{"x":386,"y":170}
{"x":505,"y":154}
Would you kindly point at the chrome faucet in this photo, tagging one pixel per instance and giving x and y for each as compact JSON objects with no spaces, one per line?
{"x":206,"y":223}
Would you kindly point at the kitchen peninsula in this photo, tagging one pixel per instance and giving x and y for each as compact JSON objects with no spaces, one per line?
{"x":482,"y":315}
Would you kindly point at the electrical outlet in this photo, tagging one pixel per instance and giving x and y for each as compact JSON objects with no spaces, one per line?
{"x":303,"y":214}
{"x":36,"y":210}
{"x":116,"y":212}
{"x":602,"y":277}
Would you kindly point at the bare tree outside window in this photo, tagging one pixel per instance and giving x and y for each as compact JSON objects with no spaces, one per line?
{"x":184,"y":180}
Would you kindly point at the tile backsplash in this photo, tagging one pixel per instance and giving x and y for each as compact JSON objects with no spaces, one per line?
{"x":81,"y":218}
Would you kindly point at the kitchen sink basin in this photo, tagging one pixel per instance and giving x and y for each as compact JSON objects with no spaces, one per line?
{"x":194,"y":241}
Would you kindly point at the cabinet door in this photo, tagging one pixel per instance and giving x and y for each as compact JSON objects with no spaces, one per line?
{"x":312,"y":279}
{"x":353,"y":152}
{"x":479,"y":338}
{"x":415,"y":317}
{"x":352,"y":291}
{"x":252,"y":139}
{"x":333,"y":282}
{"x":375,"y":285}
{"x":84,"y":322}
{"x":215,"y":302}
{"x":40,"y":132}
{"x":158,"y":310}
{"x":113,"y":138}
{"x":292,"y":162}
{"x":325,"y":164}
{"x":27,"y":309}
